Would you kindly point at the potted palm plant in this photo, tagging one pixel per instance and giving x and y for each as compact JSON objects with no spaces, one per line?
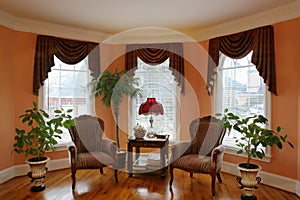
{"x":253,"y":136}
{"x":40,"y":136}
{"x":112,"y":87}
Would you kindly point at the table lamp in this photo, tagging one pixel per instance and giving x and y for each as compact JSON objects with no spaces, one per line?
{"x":151,"y":107}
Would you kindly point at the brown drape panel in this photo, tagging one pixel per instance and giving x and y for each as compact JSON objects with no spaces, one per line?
{"x":260,"y":40}
{"x":68,"y":51}
{"x":156,"y":54}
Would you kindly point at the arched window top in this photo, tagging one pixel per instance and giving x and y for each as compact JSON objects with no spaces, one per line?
{"x":155,"y":54}
{"x":238,"y":45}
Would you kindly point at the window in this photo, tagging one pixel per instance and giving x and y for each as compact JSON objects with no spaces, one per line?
{"x":241,"y":90}
{"x":158,"y":81}
{"x":67,"y":88}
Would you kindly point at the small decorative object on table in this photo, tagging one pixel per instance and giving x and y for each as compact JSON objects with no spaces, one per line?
{"x":139,"y":131}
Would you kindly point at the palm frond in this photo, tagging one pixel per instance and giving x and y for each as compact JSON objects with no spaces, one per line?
{"x":112,"y":86}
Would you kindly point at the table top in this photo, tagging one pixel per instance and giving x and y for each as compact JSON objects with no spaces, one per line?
{"x":145,"y":139}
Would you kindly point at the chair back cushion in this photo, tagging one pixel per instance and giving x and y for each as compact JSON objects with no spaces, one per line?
{"x":87,"y":133}
{"x":206,"y":134}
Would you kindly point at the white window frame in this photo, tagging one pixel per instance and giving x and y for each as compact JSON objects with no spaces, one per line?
{"x":133,"y":111}
{"x":90,"y":103}
{"x":217,"y":108}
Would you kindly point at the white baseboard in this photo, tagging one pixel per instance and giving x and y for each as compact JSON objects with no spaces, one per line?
{"x":298,"y":188}
{"x":280,"y":182}
{"x":21,"y":170}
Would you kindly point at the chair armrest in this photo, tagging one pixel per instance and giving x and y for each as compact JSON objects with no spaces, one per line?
{"x":178,"y":149}
{"x":217,"y":157}
{"x":72,"y":152}
{"x":109,"y":147}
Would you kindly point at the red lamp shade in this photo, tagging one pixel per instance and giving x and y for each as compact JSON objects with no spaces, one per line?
{"x":152,"y":107}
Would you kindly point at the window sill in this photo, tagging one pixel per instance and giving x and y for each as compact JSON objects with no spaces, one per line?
{"x":62,"y":146}
{"x":232,"y":151}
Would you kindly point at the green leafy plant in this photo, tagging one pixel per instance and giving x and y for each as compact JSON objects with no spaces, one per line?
{"x":112,"y":87}
{"x":253,"y":134}
{"x":42,"y":132}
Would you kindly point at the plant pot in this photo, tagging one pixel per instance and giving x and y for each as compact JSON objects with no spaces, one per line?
{"x":37,"y":172}
{"x":121,"y":159}
{"x":248,"y":180}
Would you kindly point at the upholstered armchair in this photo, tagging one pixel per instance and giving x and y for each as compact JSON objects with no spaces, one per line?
{"x":89,"y":149}
{"x":204,"y":153}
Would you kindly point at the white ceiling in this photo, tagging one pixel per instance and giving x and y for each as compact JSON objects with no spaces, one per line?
{"x":114,"y":16}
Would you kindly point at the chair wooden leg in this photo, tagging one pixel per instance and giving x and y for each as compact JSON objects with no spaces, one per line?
{"x":219,"y":177}
{"x":116,"y":176}
{"x":73,"y":175}
{"x":101,"y":170}
{"x":171,"y":176}
{"x":191,"y":175}
{"x":213,"y":184}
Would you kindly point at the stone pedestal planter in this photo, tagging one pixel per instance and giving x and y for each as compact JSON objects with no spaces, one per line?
{"x":37,"y":173}
{"x":248,"y":180}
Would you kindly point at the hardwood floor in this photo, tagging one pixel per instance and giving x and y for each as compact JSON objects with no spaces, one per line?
{"x":92,"y":185}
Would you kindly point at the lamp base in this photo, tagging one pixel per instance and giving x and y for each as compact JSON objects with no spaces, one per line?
{"x":151,"y":133}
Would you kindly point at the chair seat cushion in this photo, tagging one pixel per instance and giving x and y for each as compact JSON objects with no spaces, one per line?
{"x":194,"y":163}
{"x":94,"y":160}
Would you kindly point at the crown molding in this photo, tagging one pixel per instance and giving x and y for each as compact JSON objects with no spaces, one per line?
{"x":269,"y":17}
{"x":148,"y":35}
{"x":44,"y":28}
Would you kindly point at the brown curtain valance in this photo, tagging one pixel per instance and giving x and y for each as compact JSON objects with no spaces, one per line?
{"x":156,"y":54}
{"x":260,"y":40}
{"x":68,"y":51}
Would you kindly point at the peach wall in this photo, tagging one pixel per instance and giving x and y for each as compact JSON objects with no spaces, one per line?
{"x":24,"y":49}
{"x":111,"y":59}
{"x":16,"y":67}
{"x":7,"y":115}
{"x":285,"y":105}
{"x":195,"y":102}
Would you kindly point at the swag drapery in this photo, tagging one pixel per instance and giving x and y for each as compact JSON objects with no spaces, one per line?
{"x":68,"y":51}
{"x":156,"y":54}
{"x":259,"y":40}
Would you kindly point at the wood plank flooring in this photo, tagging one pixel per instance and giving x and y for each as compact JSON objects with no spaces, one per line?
{"x":92,"y":185}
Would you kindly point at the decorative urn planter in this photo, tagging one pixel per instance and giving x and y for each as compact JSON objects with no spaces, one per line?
{"x":37,"y":173}
{"x":248,"y":180}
